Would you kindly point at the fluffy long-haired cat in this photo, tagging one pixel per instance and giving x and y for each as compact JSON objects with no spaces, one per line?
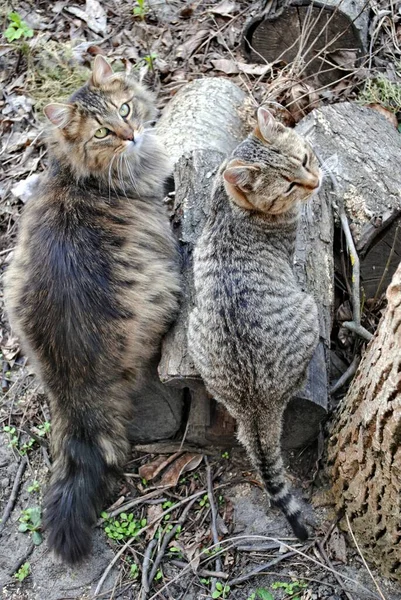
{"x":92,"y":287}
{"x":253,"y":330}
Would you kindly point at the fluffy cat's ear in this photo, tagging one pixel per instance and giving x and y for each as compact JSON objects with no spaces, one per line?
{"x":267,"y":125}
{"x":58,"y":114}
{"x":102,"y":71}
{"x":239,"y":179}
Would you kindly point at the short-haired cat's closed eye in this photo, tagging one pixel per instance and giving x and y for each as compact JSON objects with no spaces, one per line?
{"x":253,"y":331}
{"x":92,"y":287}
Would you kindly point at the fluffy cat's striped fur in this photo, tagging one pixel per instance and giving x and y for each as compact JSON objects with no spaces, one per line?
{"x":91,"y":289}
{"x":253,"y":330}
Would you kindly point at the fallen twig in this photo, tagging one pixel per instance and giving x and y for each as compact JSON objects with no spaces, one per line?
{"x":260,"y":568}
{"x":363,"y":559}
{"x":202,"y":572}
{"x":13,"y":496}
{"x":145,"y":568}
{"x":346,"y":376}
{"x":213,"y":512}
{"x":328,"y":561}
{"x":21,"y":560}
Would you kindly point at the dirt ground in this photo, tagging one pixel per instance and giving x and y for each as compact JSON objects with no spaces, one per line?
{"x":168,"y":43}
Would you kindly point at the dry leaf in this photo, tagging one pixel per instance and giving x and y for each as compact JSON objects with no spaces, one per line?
{"x":153,"y":512}
{"x":226,"y":8}
{"x":337,"y":547}
{"x":186,"y":462}
{"x":253,"y":69}
{"x":188,"y":48}
{"x":94,"y":15}
{"x":301,"y":99}
{"x":225,"y":65}
{"x":151,"y":470}
{"x":386,"y":113}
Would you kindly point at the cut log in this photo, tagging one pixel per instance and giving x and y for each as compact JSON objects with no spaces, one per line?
{"x":364,"y":446}
{"x":329,"y":37}
{"x":368,"y":151}
{"x":208,"y":138}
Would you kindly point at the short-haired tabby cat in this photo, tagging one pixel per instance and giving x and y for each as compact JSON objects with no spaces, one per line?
{"x":253,"y":330}
{"x":92,"y":287}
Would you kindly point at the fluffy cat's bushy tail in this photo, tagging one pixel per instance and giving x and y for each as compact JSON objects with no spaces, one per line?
{"x":80,"y":485}
{"x":265,"y":453}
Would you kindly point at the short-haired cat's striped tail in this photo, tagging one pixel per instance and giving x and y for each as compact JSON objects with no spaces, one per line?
{"x":266,"y":456}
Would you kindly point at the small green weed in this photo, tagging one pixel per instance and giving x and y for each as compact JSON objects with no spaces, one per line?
{"x":34,"y":487}
{"x":23,"y":571}
{"x":17,"y":28}
{"x":225,"y":455}
{"x":134,"y":571}
{"x":31,"y":520}
{"x":44,"y":429}
{"x":11,"y":434}
{"x":204,"y":502}
{"x":149,"y":60}
{"x":158,"y":575}
{"x":290,"y":589}
{"x":221,"y":591}
{"x":126,"y":527}
{"x":141,"y":9}
{"x":381,"y":90}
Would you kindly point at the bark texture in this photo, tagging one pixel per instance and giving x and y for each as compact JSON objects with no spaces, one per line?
{"x":325,"y":35}
{"x":365,"y":444}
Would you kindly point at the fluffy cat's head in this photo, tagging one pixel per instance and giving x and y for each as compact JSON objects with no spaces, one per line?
{"x":104,"y":125}
{"x":272,"y":169}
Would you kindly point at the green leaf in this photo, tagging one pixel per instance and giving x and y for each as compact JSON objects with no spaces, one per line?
{"x":23,"y":527}
{"x":36,"y":538}
{"x":36,"y":516}
{"x":216,"y":594}
{"x":219,"y":586}
{"x":264,"y":594}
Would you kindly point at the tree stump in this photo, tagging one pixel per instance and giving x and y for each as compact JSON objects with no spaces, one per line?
{"x":329,"y":36}
{"x":365,"y":444}
{"x":210,"y":133}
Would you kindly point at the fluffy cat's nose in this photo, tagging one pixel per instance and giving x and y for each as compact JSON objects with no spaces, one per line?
{"x":126,"y":133}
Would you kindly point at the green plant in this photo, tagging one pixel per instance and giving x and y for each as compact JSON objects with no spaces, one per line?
{"x":205,"y":581}
{"x":149,"y":58}
{"x":225,"y":455}
{"x":17,"y":28}
{"x":221,"y":591}
{"x":263,"y":594}
{"x":204,"y":502}
{"x":44,"y":429}
{"x":141,"y":9}
{"x":381,"y":90}
{"x":23,"y":571}
{"x":125,"y":528}
{"x":11,"y":435}
{"x":31,"y":520}
{"x":159,"y":575}
{"x":134,"y":571}
{"x":34,"y":487}
{"x":290,"y":588}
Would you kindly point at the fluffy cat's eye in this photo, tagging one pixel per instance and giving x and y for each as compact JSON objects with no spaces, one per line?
{"x":305,"y":160}
{"x":101,"y":133}
{"x":124,"y":110}
{"x":290,"y":187}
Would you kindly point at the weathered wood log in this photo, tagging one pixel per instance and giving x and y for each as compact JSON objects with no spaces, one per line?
{"x":194,"y":171}
{"x":368,"y":151}
{"x":364,"y":447}
{"x":328,"y":36}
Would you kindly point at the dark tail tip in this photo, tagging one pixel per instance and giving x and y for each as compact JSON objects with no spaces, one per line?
{"x":73,"y":501}
{"x":298,"y":527}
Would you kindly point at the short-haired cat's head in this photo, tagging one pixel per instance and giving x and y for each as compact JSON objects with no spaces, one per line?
{"x":272,"y":169}
{"x":104,"y":123}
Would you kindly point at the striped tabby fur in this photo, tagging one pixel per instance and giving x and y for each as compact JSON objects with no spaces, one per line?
{"x":91,"y":289}
{"x":253,"y":330}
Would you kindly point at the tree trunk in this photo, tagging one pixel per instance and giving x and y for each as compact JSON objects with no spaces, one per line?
{"x":365,"y":444}
{"x":321,"y":36}
{"x":210,"y":130}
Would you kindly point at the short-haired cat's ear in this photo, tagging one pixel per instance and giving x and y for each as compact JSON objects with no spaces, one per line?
{"x":239,"y":179}
{"x":58,"y":114}
{"x":267,"y":124}
{"x":101,"y":72}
